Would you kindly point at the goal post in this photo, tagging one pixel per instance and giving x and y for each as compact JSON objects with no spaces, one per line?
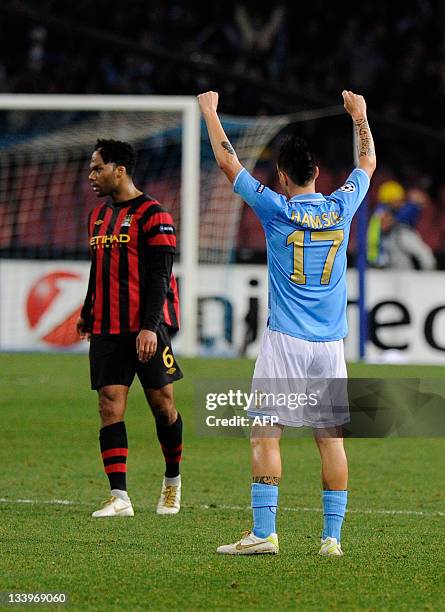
{"x":190,"y":171}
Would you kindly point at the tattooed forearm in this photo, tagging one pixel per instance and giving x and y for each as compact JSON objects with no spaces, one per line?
{"x":268,"y":480}
{"x":228,"y":147}
{"x":365,"y":142}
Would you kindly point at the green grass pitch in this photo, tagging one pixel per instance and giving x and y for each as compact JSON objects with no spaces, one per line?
{"x":392,"y":538}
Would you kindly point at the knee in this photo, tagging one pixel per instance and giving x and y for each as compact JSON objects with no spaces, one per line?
{"x":110,"y":407}
{"x":323,"y":442}
{"x":264,"y":444}
{"x":327,"y":442}
{"x":265,"y":437}
{"x":164,"y":410}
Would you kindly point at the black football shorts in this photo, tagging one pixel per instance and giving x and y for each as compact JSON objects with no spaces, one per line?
{"x":114,"y":361}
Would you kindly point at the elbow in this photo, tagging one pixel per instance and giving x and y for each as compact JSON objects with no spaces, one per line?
{"x":368,"y":165}
{"x":230,"y":168}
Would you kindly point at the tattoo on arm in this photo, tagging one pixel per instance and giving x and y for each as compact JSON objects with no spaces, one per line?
{"x":228,"y":147}
{"x":365,"y":142}
{"x":268,"y":480}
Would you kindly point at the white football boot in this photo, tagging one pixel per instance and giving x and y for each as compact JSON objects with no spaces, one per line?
{"x":119,"y":504}
{"x":250,"y":544}
{"x":330,"y":548}
{"x":170,"y":499}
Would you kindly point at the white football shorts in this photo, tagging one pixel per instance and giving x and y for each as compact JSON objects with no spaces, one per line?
{"x":299,"y":382}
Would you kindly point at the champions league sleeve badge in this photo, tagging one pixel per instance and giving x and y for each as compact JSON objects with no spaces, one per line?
{"x":348,"y":187}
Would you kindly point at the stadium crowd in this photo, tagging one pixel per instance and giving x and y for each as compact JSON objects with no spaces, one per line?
{"x":395,"y":58}
{"x":315,"y":47}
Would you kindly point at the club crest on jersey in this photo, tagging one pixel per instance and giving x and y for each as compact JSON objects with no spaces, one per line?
{"x":98,"y":222}
{"x":348,"y":187}
{"x":127,"y":221}
{"x":260,"y":188}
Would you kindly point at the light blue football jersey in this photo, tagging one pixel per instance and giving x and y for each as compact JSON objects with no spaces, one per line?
{"x":307,"y":238}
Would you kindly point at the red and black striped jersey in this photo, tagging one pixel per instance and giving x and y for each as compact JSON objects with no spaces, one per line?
{"x":127,"y":240}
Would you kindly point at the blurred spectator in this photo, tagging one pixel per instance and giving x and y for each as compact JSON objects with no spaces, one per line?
{"x":36,"y":55}
{"x":406,"y":207}
{"x":393,"y":209}
{"x":260,"y":34}
{"x":392,"y":237}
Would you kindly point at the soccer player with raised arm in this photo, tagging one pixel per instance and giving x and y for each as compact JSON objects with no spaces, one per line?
{"x":307,"y":236}
{"x":130,"y":312}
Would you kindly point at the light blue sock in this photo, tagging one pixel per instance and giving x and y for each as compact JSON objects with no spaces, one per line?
{"x":264,"y":508}
{"x":334,"y":508}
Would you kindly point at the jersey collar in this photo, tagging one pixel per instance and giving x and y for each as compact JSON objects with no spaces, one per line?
{"x":307,"y":197}
{"x":133,"y":202}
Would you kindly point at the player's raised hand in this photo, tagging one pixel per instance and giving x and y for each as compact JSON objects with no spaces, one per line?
{"x":208,"y":101}
{"x":146,"y":345}
{"x":354,"y":104}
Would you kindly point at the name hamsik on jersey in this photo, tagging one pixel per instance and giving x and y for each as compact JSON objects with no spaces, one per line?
{"x":307,"y":238}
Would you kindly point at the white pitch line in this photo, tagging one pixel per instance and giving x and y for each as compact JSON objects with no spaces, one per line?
{"x":67,"y":502}
{"x":352,"y":511}
{"x":58,"y":502}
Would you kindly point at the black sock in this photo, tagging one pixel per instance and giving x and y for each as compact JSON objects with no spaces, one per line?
{"x":114,"y":449}
{"x":170,"y":438}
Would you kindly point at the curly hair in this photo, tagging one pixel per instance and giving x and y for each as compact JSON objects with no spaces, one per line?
{"x":117,"y":152}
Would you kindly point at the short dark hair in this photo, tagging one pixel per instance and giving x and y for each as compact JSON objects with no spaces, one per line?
{"x":117,"y":152}
{"x":296,"y":160}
